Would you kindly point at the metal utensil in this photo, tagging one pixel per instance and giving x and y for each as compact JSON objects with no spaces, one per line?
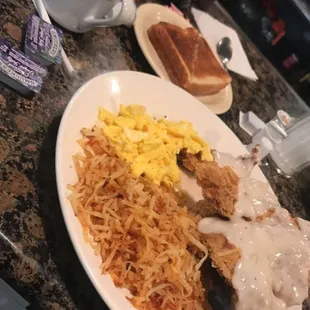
{"x":224,"y":50}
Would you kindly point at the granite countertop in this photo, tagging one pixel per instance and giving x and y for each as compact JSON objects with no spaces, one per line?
{"x":36,"y":256}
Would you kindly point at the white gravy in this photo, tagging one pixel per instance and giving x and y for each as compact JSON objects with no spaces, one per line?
{"x":273,"y":270}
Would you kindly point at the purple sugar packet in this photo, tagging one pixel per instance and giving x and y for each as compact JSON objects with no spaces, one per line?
{"x":18,"y":71}
{"x":10,"y":52}
{"x":43,"y":41}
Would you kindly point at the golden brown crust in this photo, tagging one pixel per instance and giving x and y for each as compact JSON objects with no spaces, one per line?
{"x":223,"y":254}
{"x":188,"y":59}
{"x":219,"y":185}
{"x":188,"y":161}
{"x":157,"y":35}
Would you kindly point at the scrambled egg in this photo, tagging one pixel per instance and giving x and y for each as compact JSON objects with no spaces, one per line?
{"x":151,"y":145}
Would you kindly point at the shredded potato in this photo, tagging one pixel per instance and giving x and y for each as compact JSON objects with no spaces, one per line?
{"x":146,"y":240}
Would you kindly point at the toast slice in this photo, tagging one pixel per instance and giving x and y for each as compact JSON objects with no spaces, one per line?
{"x":188,"y":59}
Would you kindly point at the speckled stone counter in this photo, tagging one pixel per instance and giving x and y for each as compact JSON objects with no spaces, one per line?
{"x":36,"y":256}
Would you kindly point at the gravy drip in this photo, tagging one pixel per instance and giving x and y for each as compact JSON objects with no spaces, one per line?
{"x":273,"y":270}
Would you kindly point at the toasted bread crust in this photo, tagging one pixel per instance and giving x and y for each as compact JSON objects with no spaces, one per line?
{"x":188,"y":59}
{"x":166,"y":52}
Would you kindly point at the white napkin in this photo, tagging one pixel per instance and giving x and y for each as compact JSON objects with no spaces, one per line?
{"x":213,"y":31}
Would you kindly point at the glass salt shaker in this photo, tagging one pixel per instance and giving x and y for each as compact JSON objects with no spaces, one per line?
{"x":292,"y":153}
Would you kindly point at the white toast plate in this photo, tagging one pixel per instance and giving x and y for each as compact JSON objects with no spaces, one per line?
{"x":150,"y":14}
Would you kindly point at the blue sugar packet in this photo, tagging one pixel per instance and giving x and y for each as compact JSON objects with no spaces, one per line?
{"x":43,"y":41}
{"x":18,"y":71}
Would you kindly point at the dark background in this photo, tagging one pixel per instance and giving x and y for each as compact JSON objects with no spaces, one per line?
{"x":281,"y":31}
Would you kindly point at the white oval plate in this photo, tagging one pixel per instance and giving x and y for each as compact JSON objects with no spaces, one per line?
{"x":150,"y":14}
{"x":160,"y":98}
